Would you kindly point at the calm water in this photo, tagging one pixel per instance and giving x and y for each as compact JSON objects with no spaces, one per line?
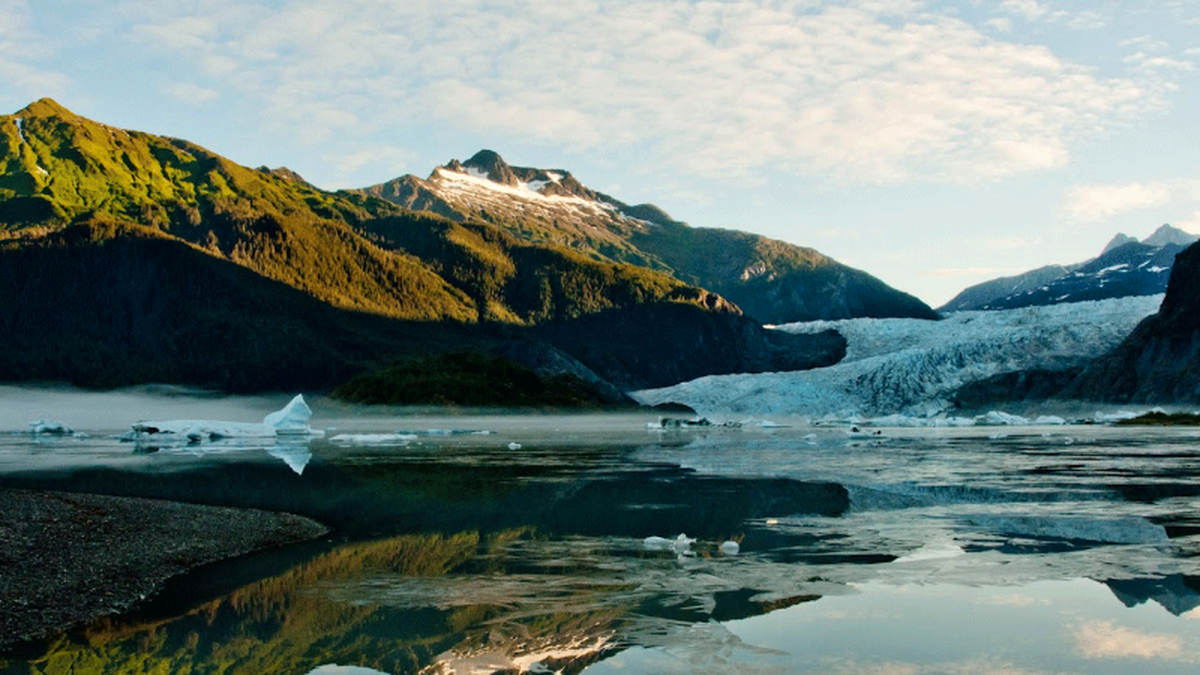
{"x":997,"y":550}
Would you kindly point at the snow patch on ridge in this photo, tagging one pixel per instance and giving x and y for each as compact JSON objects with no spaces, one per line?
{"x":911,"y":367}
{"x":476,"y":182}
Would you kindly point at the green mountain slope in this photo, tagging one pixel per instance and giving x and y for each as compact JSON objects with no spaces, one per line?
{"x":130,"y":257}
{"x":770,"y":280}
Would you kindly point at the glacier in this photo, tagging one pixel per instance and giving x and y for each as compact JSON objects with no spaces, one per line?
{"x":910,"y":367}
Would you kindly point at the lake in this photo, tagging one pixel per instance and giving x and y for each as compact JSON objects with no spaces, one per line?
{"x":480,"y":543}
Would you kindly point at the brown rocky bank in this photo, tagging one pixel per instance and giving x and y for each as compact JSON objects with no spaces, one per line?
{"x":66,"y":558}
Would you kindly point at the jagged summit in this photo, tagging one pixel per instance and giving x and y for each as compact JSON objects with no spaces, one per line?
{"x":491,"y":165}
{"x":488,"y":164}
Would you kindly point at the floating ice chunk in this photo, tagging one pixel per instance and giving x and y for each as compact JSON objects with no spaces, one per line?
{"x":730,"y":547}
{"x":681,"y":545}
{"x":288,"y":421}
{"x":1049,"y":420}
{"x":657,"y":543}
{"x":446,"y":432}
{"x":372,"y":439}
{"x":998,"y":418}
{"x":294,"y":415}
{"x":49,"y":428}
{"x":514,"y":446}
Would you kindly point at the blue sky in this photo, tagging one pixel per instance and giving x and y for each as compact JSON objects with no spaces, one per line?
{"x":932,"y":144}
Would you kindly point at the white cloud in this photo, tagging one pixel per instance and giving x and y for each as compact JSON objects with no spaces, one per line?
{"x":1030,"y":9}
{"x":848,"y":92}
{"x":191,"y":93}
{"x":388,"y":158}
{"x":20,"y":49}
{"x":1097,"y":202}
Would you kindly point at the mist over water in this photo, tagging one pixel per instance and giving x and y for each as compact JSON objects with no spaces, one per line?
{"x":475,"y":542}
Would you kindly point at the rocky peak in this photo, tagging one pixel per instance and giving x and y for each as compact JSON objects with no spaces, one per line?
{"x":493,"y":166}
{"x":1166,"y":235}
{"x":1118,"y":241}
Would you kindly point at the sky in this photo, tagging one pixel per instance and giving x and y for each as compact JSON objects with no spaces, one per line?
{"x":932,"y":144}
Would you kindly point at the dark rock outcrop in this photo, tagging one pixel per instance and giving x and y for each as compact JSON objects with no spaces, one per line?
{"x":1160,"y":361}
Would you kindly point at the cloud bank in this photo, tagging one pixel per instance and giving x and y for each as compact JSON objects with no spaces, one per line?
{"x":868,"y":91}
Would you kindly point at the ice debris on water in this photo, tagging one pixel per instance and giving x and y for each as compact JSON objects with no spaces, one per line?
{"x":372,"y":439}
{"x":681,"y":545}
{"x":514,"y":446}
{"x":730,"y":547}
{"x":49,"y":428}
{"x":291,"y":420}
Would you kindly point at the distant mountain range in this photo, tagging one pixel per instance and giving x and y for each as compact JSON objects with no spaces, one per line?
{"x":771,"y":281}
{"x":1126,"y":267}
{"x":127,"y":257}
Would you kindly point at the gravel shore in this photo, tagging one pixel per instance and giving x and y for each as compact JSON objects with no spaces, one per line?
{"x":66,"y":558}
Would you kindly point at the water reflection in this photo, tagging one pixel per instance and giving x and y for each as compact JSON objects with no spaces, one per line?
{"x":455,"y":554}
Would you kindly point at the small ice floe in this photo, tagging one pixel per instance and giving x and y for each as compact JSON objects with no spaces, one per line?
{"x":514,"y":446}
{"x":445,"y":432}
{"x":49,"y":428}
{"x":681,"y":545}
{"x":372,"y":439}
{"x":730,"y":547}
{"x":698,"y":423}
{"x":997,"y":418}
{"x":289,"y":421}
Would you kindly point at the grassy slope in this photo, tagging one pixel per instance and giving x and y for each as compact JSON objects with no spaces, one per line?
{"x":129,"y":257}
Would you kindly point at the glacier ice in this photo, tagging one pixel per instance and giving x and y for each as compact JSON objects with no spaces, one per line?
{"x":291,"y":420}
{"x":911,"y":367}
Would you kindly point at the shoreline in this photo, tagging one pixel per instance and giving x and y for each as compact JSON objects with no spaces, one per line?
{"x":67,"y":558}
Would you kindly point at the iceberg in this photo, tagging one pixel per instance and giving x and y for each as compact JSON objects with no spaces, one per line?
{"x":49,"y":428}
{"x":291,"y":420}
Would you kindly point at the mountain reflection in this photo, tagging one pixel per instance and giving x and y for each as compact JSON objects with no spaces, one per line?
{"x":431,"y":602}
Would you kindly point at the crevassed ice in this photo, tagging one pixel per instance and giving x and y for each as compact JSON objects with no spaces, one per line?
{"x":911,"y":366}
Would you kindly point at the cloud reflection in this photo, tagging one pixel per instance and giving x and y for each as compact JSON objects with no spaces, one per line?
{"x":1104,"y":640}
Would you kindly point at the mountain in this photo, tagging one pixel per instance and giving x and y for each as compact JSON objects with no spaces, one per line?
{"x":129,"y":257}
{"x":1159,"y":362}
{"x":771,"y":281}
{"x":1125,"y":267}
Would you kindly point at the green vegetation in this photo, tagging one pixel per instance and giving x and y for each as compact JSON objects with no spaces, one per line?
{"x":471,"y":380}
{"x":1162,"y":419}
{"x":127,"y":257}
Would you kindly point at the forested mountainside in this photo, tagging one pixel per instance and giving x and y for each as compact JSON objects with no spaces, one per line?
{"x":770,"y":280}
{"x":132,"y":257}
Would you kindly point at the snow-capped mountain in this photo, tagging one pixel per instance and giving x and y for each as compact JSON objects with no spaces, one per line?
{"x":771,"y":281}
{"x":1126,"y":267}
{"x":909,"y":367}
